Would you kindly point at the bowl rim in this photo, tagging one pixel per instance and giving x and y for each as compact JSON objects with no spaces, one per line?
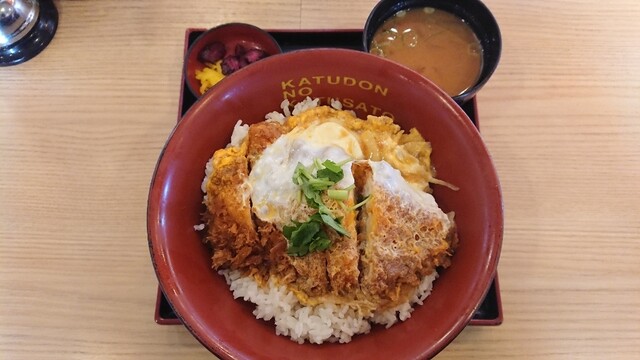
{"x":491,"y":263}
{"x":190,"y":49}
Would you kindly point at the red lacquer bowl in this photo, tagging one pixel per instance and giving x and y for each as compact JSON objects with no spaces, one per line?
{"x":231,"y":34}
{"x":365,"y":83}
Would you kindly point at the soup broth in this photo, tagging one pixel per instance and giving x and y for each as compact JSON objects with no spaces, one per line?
{"x":435,"y":43}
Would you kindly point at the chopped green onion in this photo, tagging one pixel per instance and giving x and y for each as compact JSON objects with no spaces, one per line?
{"x":310,"y":236}
{"x":321,"y":184}
{"x":341,"y":195}
{"x":361,"y":203}
{"x":323,"y":209}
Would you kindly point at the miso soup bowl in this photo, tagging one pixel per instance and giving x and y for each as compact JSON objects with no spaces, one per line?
{"x":473,"y":12}
{"x":366,"y":84}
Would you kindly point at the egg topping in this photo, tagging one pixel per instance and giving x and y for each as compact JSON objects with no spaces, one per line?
{"x":276,"y":198}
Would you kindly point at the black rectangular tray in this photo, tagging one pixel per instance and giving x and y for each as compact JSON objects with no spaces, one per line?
{"x":490,"y":310}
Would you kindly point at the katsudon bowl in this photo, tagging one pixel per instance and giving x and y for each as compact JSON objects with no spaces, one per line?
{"x":365,"y":84}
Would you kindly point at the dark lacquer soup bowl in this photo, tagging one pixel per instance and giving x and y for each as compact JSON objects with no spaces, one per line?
{"x":365,"y":84}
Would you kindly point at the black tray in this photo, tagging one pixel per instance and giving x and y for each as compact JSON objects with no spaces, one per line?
{"x":490,"y":311}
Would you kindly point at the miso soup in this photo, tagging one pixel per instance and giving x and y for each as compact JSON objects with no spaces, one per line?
{"x":435,"y":43}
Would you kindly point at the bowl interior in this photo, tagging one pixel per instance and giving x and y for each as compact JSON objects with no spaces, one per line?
{"x":229,"y":34}
{"x":474,"y":12}
{"x":366,"y":84}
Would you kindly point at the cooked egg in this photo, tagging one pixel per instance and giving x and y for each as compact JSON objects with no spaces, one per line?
{"x":391,"y":180}
{"x":377,"y":138}
{"x":331,"y":134}
{"x":275,"y":197}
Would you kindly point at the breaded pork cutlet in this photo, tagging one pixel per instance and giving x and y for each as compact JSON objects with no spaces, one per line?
{"x":399,"y":236}
{"x":260,"y":136}
{"x":232,"y":233}
{"x":404,"y":236}
{"x":342,"y":256}
{"x":237,"y":242}
{"x":264,"y":250}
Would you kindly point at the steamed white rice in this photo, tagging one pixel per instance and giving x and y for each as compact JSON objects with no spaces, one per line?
{"x":315,"y":324}
{"x":320,"y":323}
{"x":240,"y":131}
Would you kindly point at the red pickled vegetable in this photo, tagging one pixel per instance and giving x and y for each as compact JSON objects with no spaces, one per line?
{"x":254,"y":55}
{"x":212,"y":52}
{"x":240,"y":50}
{"x":230,"y":64}
{"x":243,"y":62}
